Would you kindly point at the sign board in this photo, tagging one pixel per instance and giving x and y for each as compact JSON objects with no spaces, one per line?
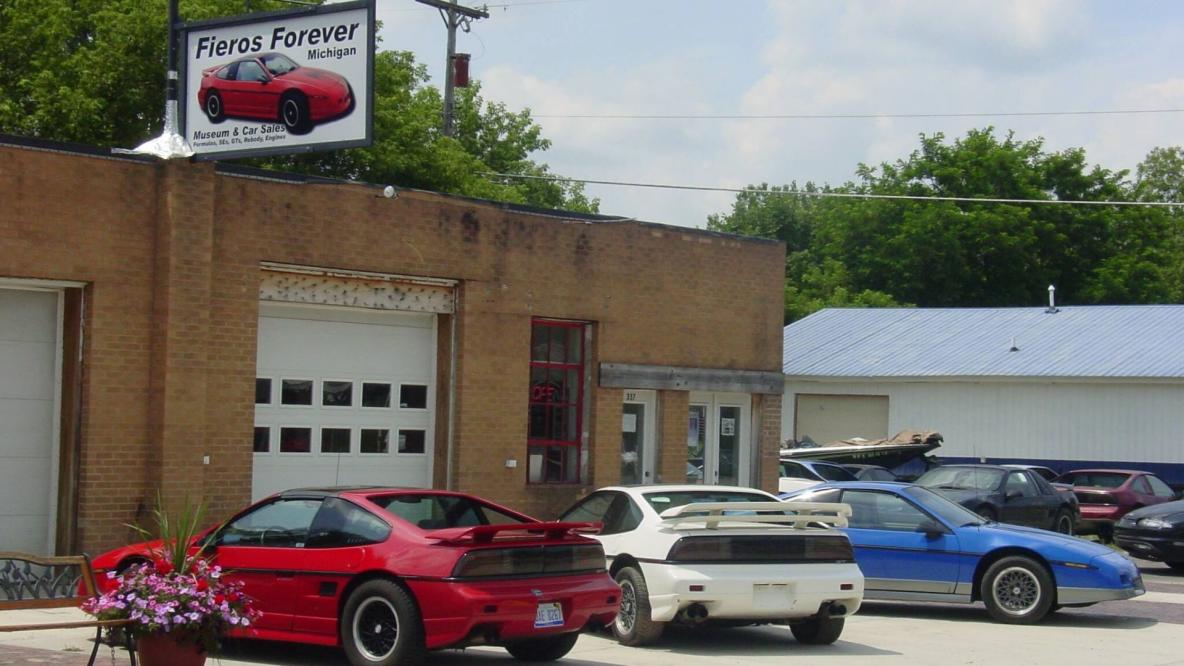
{"x":279,"y":82}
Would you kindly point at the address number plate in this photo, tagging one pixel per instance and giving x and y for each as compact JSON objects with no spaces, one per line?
{"x":548,"y":615}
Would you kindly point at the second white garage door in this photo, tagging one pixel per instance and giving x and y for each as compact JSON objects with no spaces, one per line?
{"x":343,"y":396}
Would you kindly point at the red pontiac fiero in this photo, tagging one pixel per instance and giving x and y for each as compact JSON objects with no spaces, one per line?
{"x":389,"y":573}
{"x":274,"y":88}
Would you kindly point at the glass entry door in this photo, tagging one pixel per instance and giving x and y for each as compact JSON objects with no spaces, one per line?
{"x":719,"y":439}
{"x":638,"y":453}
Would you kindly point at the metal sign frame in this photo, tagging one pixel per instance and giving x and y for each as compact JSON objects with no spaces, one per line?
{"x":183,"y":30}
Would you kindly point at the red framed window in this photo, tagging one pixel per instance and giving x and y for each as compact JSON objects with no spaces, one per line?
{"x":555,"y":427}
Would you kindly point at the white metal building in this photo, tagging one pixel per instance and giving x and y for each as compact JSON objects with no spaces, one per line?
{"x":1069,"y":388}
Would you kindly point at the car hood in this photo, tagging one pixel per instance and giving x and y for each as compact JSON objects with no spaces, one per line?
{"x":1159,"y":510}
{"x":311,"y":76}
{"x":960,"y":496}
{"x":1080,"y":549}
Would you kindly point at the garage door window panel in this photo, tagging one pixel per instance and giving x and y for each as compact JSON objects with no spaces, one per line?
{"x":375,"y":441}
{"x":413,"y":396}
{"x":555,"y":401}
{"x":262,"y":391}
{"x":412,"y":441}
{"x":296,"y":392}
{"x":337,"y":393}
{"x":295,"y":439}
{"x":376,"y":395}
{"x":262,"y":439}
{"x":335,"y":440}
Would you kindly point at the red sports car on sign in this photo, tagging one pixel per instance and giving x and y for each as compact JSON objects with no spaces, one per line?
{"x":388,"y":573}
{"x":274,"y":88}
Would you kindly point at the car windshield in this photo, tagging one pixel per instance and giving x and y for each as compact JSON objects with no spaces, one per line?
{"x":834,"y":473}
{"x":437,"y":512}
{"x":1094,"y":479}
{"x":662,"y":501}
{"x":278,"y":64}
{"x":961,"y":478}
{"x":951,"y":512}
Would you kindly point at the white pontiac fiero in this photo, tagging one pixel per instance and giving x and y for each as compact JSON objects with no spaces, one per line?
{"x":692,"y":554}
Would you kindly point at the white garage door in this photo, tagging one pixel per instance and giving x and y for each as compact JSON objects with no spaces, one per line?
{"x":343,"y":396}
{"x":28,"y":411}
{"x":827,"y":418}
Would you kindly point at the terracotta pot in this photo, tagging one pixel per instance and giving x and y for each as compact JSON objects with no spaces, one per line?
{"x":157,"y":650}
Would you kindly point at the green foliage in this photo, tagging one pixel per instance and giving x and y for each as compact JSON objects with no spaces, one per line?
{"x":176,"y":531}
{"x":93,"y":71}
{"x":877,"y":252}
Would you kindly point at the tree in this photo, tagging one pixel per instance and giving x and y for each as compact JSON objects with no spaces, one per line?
{"x":92,"y":71}
{"x":952,"y":253}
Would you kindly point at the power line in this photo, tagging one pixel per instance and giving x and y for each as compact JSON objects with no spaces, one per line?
{"x":847,"y":116}
{"x":837,"y":195}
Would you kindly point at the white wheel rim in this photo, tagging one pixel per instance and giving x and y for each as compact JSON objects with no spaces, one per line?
{"x":627,"y":615}
{"x":1016,"y":591}
{"x":375,"y":625}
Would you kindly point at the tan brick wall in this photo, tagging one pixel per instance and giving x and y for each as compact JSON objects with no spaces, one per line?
{"x":172,"y":255}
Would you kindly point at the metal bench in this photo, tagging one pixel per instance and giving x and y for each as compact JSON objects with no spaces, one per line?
{"x":29,"y":582}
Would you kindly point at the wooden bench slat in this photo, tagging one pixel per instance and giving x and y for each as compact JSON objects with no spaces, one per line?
{"x":64,"y":625}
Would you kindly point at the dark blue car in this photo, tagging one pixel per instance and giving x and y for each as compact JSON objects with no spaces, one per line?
{"x":914,"y":545}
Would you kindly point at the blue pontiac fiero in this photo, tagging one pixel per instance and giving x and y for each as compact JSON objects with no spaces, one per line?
{"x":914,"y":545}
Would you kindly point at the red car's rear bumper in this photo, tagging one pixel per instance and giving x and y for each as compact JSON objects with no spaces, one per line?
{"x":499,"y":611}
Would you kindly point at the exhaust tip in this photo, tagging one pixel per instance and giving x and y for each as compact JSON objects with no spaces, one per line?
{"x":837,"y":609}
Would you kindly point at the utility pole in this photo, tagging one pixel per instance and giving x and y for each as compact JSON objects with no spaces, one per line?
{"x":455,"y":16}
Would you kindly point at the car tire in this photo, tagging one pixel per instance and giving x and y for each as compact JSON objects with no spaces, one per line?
{"x":293,"y":112}
{"x":988,"y":513}
{"x":818,"y":630}
{"x":633,"y":624}
{"x":398,"y":634}
{"x":214,"y":108}
{"x":1063,"y":523}
{"x":548,"y":648}
{"x":1017,"y":590}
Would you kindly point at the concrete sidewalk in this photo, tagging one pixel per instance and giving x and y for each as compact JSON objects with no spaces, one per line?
{"x":882,"y":633}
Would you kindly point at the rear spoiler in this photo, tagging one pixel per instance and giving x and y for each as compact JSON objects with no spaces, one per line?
{"x":487,"y":533}
{"x":803,"y":514}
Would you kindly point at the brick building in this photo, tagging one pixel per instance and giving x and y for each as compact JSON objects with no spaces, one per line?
{"x":222,"y":333}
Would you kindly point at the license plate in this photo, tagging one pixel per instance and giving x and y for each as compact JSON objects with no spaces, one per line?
{"x":548,"y":615}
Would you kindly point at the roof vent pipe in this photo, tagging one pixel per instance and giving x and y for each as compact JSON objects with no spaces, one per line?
{"x":1052,"y":300}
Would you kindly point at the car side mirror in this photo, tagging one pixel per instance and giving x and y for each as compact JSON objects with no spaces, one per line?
{"x":932,"y":529}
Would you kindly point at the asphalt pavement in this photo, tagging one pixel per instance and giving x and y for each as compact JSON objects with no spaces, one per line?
{"x":1146,"y":631}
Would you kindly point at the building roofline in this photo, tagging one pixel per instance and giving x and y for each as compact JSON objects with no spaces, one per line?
{"x":246,"y":171}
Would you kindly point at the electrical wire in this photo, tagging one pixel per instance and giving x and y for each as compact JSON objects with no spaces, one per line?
{"x":848,"y":116}
{"x":837,"y":195}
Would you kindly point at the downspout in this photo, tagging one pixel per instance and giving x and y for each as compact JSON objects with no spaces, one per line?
{"x":448,"y":483}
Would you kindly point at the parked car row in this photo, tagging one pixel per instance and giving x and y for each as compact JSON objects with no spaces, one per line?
{"x":389,"y":574}
{"x":1087,"y":501}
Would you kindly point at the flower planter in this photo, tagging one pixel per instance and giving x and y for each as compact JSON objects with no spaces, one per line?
{"x":161,"y":650}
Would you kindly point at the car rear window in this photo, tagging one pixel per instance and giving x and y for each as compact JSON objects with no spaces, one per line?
{"x":1094,"y":479}
{"x":662,"y":501}
{"x":961,"y":478}
{"x":834,"y":473}
{"x":437,"y":512}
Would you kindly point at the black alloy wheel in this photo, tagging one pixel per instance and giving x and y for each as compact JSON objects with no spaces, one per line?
{"x":294,"y":113}
{"x":214,"y":109}
{"x":381,"y":626}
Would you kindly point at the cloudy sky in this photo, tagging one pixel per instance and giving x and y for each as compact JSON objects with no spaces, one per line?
{"x":758,"y":57}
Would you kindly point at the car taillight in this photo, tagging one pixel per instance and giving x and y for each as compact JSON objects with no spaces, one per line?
{"x":754,"y":549}
{"x":529,"y":561}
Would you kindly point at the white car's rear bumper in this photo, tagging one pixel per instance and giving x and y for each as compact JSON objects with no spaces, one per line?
{"x":752,"y":591}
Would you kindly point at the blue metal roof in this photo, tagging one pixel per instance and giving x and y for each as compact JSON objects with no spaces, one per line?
{"x":1104,"y":341}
